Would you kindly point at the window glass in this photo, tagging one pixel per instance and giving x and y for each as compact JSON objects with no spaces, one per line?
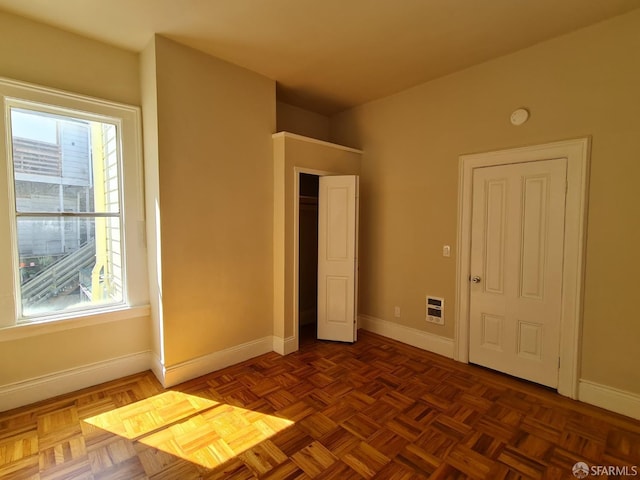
{"x":66,"y":184}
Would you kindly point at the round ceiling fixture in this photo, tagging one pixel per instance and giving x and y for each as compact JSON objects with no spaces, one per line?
{"x":519,"y":116}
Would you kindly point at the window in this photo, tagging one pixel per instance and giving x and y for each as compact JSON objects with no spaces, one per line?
{"x":67,"y":209}
{"x":75,"y":220}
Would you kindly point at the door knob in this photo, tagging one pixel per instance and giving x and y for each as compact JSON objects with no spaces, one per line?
{"x":476,"y":279}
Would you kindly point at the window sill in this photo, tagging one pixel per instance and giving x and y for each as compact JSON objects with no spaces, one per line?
{"x":32,"y":329}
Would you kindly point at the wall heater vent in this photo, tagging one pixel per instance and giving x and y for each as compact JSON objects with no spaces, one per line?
{"x":435,"y":310}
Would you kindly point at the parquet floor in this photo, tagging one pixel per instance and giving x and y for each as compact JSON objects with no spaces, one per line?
{"x":376,"y":409}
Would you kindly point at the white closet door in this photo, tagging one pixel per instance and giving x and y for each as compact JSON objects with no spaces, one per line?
{"x":337,"y":257}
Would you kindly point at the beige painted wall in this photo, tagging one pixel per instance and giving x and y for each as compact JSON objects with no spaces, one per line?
{"x":581,"y":84}
{"x":32,"y":357}
{"x":215,"y":122}
{"x":43,"y":55}
{"x":37,"y":53}
{"x":290,"y":118}
{"x":290,"y":153}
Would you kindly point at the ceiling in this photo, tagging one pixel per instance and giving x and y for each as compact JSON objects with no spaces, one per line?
{"x":328,"y":55}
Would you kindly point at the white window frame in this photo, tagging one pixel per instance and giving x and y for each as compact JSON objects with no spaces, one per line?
{"x":136,"y":293}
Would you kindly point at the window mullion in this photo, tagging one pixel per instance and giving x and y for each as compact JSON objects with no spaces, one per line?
{"x":69,"y":214}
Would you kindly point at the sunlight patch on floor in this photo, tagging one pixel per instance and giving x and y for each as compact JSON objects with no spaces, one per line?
{"x":196,"y":429}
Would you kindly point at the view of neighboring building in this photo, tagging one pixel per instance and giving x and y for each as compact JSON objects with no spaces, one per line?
{"x":67,"y":210}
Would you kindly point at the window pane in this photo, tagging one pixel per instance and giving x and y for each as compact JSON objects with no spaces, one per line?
{"x":64,"y":164}
{"x":68,"y":263}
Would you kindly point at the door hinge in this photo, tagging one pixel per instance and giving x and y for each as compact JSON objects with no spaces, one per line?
{"x":558,"y":363}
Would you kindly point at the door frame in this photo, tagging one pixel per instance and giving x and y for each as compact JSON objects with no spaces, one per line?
{"x":296,"y":244}
{"x":577,"y":154}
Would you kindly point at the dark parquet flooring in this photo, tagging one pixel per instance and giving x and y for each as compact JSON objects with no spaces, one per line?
{"x":376,"y":409}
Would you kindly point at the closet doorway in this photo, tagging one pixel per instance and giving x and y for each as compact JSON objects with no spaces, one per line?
{"x":327,"y":262}
{"x":308,"y":257}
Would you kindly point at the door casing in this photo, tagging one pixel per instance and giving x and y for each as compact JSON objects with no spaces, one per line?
{"x":577,"y":154}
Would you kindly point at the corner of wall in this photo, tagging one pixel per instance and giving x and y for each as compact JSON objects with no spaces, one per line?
{"x":290,"y":118}
{"x":149,"y":91}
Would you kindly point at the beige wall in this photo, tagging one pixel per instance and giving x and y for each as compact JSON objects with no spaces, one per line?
{"x":36,"y":53}
{"x":290,"y":118}
{"x":39,"y":54}
{"x":582,"y":84}
{"x":33,"y":357}
{"x":215,"y":122}
{"x":291,"y":152}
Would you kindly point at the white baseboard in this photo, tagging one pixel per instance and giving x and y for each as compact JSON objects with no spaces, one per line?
{"x":609,"y":398}
{"x":197,"y":367}
{"x":411,"y":336}
{"x":284,"y":346}
{"x":47,"y":386}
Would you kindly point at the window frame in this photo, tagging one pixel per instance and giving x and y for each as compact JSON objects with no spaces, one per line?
{"x":13,"y":103}
{"x":135,"y":280}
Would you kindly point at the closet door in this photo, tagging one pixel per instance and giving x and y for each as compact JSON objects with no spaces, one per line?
{"x":337,"y":258}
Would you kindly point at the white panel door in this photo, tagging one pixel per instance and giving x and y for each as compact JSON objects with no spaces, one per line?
{"x":337,"y":257}
{"x":517,"y":244}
